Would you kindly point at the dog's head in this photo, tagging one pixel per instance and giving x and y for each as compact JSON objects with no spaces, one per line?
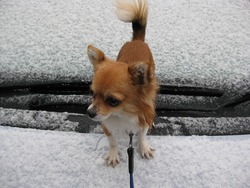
{"x":115,"y":86}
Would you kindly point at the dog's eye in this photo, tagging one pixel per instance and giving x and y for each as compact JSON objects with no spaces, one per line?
{"x":112,"y":101}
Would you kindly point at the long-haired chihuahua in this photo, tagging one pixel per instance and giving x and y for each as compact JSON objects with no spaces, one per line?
{"x":124,"y":90}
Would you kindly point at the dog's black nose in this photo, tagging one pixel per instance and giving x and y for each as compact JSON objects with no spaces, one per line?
{"x":91,"y":112}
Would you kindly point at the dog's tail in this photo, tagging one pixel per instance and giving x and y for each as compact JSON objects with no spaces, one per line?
{"x":135,"y":11}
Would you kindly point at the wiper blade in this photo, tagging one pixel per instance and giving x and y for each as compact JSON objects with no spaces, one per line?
{"x":75,"y":97}
{"x":79,"y":88}
{"x":82,"y":88}
{"x":190,"y":91}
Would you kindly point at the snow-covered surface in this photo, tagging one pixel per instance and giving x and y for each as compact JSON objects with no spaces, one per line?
{"x":197,"y":43}
{"x":35,"y":158}
{"x":163,"y":126}
{"x":200,"y":43}
{"x":36,"y":119}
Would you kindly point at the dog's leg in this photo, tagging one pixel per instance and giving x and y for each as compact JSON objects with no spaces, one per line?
{"x":112,"y":156}
{"x":145,"y":149}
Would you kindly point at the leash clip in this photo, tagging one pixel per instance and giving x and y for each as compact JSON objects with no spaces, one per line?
{"x":131,"y":139}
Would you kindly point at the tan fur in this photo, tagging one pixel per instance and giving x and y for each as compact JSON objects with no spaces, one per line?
{"x":130,"y":81}
{"x":105,"y":130}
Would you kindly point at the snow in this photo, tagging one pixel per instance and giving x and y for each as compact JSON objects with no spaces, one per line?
{"x":36,"y":119}
{"x":163,"y":125}
{"x":36,"y":158}
{"x":197,"y":43}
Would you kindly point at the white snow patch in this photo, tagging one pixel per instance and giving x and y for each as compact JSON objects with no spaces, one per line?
{"x":36,"y":119}
{"x":36,"y":158}
{"x":197,"y":43}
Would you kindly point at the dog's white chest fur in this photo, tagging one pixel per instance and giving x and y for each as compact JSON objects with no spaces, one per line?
{"x":122,"y":124}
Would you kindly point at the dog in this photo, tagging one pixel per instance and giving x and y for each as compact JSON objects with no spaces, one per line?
{"x":124,"y":90}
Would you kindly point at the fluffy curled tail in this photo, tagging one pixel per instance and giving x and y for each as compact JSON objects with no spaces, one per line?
{"x":135,"y":11}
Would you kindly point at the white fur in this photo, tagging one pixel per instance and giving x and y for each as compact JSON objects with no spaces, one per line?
{"x":145,"y":149}
{"x":112,"y":156}
{"x":121,"y":124}
{"x":131,"y":10}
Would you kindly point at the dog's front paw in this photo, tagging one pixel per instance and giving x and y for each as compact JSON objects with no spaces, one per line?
{"x":112,"y":157}
{"x":146,"y":150}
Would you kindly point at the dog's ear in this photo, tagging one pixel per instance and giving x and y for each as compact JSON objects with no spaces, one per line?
{"x":138,"y":72}
{"x":96,"y":56}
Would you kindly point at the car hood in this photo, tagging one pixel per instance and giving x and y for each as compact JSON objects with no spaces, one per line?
{"x":201,"y":53}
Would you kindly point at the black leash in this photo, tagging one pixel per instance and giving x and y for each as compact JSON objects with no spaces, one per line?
{"x":131,"y":160}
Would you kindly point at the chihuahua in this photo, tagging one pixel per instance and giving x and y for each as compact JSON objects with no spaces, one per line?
{"x":124,"y":90}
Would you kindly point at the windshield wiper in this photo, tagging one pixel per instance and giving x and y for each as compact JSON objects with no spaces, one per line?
{"x":75,"y":97}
